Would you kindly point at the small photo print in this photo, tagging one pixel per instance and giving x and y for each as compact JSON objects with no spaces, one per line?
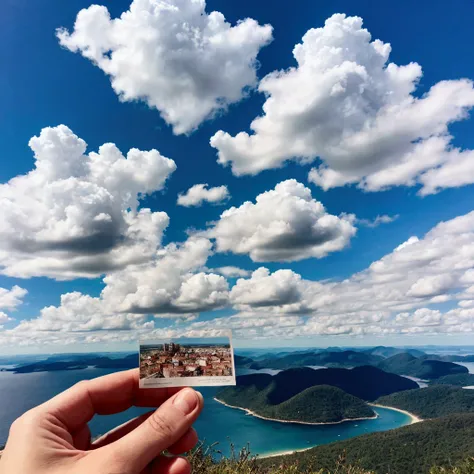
{"x":187,"y":361}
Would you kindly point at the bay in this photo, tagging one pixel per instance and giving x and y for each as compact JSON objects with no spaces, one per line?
{"x":218,"y":423}
{"x":468,"y":365}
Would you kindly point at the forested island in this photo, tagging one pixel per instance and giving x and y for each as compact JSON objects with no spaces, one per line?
{"x":421,"y":367}
{"x":77,"y":362}
{"x":318,"y":404}
{"x":313,"y":396}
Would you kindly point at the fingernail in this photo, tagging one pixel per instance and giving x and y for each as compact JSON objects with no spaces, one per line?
{"x":186,"y":401}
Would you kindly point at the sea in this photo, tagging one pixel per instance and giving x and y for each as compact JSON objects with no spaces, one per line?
{"x":228,"y":427}
{"x":468,"y":365}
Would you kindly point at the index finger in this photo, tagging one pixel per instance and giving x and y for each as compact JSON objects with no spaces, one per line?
{"x":103,"y":396}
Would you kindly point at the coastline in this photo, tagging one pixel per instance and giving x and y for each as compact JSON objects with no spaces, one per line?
{"x":414,"y":418}
{"x":285,"y":453}
{"x":256,"y":415}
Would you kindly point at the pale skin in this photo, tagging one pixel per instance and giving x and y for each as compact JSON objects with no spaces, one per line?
{"x":54,"y":438}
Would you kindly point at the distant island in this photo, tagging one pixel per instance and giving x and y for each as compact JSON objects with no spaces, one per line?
{"x":77,"y":362}
{"x":435,"y":368}
{"x":313,"y":396}
{"x":409,"y":362}
{"x":422,"y":367}
{"x":334,"y":359}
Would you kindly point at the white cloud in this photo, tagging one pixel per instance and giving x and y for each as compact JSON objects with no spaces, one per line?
{"x":420,"y":317}
{"x":172,"y":283}
{"x":397,"y":294}
{"x":265,"y":289}
{"x":345,"y":104}
{"x":231,"y":271}
{"x":199,"y":193}
{"x":466,"y":303}
{"x":171,"y":54}
{"x":4,"y":318}
{"x":460,"y":320}
{"x":248,"y":325}
{"x":380,"y":219}
{"x":76,"y":214}
{"x":433,"y":285}
{"x":391,"y":296}
{"x":79,"y":313}
{"x":284,"y":224}
{"x":10,"y":299}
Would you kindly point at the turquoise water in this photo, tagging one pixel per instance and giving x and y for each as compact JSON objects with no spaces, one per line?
{"x":218,"y":423}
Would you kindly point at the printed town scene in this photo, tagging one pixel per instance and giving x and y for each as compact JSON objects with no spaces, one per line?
{"x":173,"y":359}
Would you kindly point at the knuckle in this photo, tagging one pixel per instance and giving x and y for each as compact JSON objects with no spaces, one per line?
{"x":25,"y":421}
{"x":160,"y":424}
{"x":81,"y":384}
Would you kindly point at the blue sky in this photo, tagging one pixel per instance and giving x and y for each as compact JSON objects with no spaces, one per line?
{"x":45,"y":85}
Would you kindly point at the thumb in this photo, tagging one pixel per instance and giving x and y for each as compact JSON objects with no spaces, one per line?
{"x":165,"y":426}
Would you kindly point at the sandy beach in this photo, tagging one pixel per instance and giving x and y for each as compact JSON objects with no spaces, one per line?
{"x":250,"y":412}
{"x":414,"y":418}
{"x":284,"y":453}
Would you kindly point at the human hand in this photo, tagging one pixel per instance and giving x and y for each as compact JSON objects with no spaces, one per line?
{"x":54,"y":438}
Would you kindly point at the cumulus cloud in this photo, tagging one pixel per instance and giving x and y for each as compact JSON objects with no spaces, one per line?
{"x":249,"y":325}
{"x":432,"y":285}
{"x":264,"y":289}
{"x":345,"y":104}
{"x":173,"y":283}
{"x":171,"y":54}
{"x":284,"y":224}
{"x":78,"y":313}
{"x":10,"y":299}
{"x":420,"y":317}
{"x":4,"y":318}
{"x":391,"y":296}
{"x":231,"y":271}
{"x":199,"y":193}
{"x":398,"y":294}
{"x":379,"y":220}
{"x":77,"y":214}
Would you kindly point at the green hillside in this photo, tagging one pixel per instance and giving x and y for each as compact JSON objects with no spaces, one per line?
{"x":205,"y":461}
{"x":367,"y":383}
{"x":413,"y":449}
{"x":407,"y":364}
{"x":461,"y":380}
{"x":318,"y":404}
{"x":241,"y":361}
{"x":432,"y":402}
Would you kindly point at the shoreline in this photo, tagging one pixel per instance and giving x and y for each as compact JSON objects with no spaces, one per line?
{"x":285,"y":453}
{"x":414,"y":418}
{"x":256,"y":415}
